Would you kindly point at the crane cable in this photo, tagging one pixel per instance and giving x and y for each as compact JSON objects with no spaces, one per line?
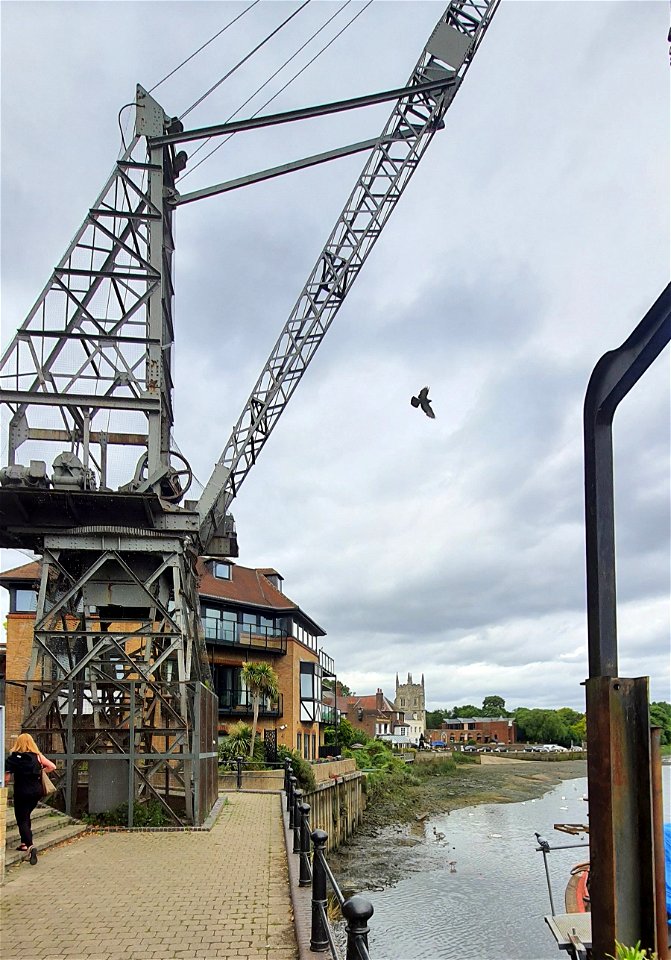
{"x":207,"y":42}
{"x":244,"y":59}
{"x":287,"y":84}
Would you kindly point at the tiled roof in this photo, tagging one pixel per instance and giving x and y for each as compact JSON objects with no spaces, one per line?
{"x":29,"y":571}
{"x":370,"y":703}
{"x":247,"y":585}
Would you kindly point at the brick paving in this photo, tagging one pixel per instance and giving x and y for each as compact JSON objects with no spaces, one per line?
{"x":217,"y":895}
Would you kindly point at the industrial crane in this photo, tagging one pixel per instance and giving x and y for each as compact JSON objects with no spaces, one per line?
{"x":118,"y":670}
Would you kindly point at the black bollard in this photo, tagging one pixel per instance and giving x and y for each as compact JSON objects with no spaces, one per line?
{"x":291,"y":803}
{"x":305,"y":877}
{"x":318,"y":936}
{"x":287,"y":774}
{"x":357,"y":911}
{"x":298,"y":797}
{"x":238,"y":763}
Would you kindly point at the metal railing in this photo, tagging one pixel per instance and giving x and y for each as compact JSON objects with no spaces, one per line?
{"x":232,"y":701}
{"x":315,"y":872}
{"x":229,"y":633}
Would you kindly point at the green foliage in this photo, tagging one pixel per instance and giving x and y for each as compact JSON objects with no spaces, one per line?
{"x":494,"y":707}
{"x":660,"y":716}
{"x":302,"y":769}
{"x":434,"y":718}
{"x":467,"y":710}
{"x":347,"y":734}
{"x":237,"y":743}
{"x":150,"y":814}
{"x":631,"y":953}
{"x":262,"y":682}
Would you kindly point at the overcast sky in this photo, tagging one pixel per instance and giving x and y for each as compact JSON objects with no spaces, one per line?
{"x":532,"y":239}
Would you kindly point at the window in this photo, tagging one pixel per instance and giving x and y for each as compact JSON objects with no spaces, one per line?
{"x":222,"y":571}
{"x":23,"y":601}
{"x":314,"y":747}
{"x":310,"y":692}
{"x":299,"y":737}
{"x":402,"y":702}
{"x":306,"y":746}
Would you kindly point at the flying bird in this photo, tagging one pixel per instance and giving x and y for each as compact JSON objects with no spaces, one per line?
{"x":422,"y":400}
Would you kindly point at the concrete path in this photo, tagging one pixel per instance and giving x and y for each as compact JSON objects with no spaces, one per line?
{"x":217,"y":895}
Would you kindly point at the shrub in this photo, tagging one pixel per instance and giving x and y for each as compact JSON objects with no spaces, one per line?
{"x":150,"y":814}
{"x":302,"y":769}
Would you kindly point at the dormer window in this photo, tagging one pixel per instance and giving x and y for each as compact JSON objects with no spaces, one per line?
{"x":221,"y":570}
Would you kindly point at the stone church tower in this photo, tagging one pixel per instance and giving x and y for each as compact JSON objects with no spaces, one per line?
{"x":410,"y":701}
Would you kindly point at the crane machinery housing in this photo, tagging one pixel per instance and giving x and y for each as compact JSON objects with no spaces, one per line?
{"x":118,"y":678}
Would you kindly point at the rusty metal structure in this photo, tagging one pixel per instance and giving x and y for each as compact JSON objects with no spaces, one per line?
{"x":626,"y":844}
{"x":119,"y":685}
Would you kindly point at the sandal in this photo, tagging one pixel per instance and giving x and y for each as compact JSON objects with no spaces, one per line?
{"x":33,"y":856}
{"x":22,"y":846}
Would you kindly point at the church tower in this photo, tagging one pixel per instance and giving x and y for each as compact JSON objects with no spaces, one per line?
{"x":410,"y":700}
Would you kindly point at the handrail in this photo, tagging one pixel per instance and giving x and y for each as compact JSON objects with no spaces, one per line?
{"x":357,"y":910}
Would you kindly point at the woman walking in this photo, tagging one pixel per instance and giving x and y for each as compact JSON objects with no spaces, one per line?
{"x":26,"y":764}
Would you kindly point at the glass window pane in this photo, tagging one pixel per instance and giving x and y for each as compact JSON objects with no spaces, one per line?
{"x":25,"y":601}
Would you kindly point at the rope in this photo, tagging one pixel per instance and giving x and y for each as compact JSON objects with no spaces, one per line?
{"x":287,"y":84}
{"x":207,"y":42}
{"x":244,"y":59}
{"x":259,"y":89}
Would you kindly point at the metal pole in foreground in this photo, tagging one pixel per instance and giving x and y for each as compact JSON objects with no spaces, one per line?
{"x":357,"y":912}
{"x":305,"y":877}
{"x":291,"y":803}
{"x":318,"y":935}
{"x":298,"y":800}
{"x":545,"y":846}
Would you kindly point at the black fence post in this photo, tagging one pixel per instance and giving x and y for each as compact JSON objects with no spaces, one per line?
{"x":319,"y":936}
{"x":357,"y":912}
{"x":238,"y":763}
{"x":305,"y":877}
{"x":287,"y":773}
{"x":298,"y":798}
{"x":291,"y":803}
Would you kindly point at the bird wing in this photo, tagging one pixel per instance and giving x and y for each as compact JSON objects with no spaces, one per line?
{"x":423,"y":393}
{"x":428,"y":411}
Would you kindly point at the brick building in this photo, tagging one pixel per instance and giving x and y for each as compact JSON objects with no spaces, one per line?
{"x":246,"y":617}
{"x":501,"y":730}
{"x":374,"y":714}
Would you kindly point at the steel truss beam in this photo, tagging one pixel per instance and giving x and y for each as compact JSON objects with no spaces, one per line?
{"x":118,"y":670}
{"x":411,"y":127}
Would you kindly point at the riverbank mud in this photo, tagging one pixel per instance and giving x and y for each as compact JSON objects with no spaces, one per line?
{"x":389,"y":843}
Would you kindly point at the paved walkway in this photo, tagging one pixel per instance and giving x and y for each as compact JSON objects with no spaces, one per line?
{"x":217,"y":895}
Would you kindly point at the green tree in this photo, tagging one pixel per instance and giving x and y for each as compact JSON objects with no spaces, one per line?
{"x":434,"y":718}
{"x":347,"y":734}
{"x":467,"y":710}
{"x":262,"y":682}
{"x":494,"y":707}
{"x":660,"y":716}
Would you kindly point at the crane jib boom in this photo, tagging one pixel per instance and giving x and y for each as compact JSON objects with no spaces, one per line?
{"x":406,"y":136}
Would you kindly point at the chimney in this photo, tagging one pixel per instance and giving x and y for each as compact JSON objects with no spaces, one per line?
{"x":379,"y":700}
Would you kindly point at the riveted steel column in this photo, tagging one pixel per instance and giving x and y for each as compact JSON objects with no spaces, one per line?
{"x":622,"y":887}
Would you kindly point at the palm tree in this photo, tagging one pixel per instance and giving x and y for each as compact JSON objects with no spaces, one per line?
{"x":261,"y":681}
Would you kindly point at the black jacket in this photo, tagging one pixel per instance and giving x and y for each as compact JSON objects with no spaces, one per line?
{"x":27,"y":772}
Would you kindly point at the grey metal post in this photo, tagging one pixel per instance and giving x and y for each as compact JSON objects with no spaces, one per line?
{"x":287,"y":784}
{"x":357,"y":912}
{"x":291,"y":804}
{"x":305,"y":877}
{"x":298,"y":800}
{"x":318,"y":934}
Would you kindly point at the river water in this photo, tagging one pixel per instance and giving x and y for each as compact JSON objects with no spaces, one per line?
{"x":481,"y":892}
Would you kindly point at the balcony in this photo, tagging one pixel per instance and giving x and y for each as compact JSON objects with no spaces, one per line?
{"x":327,"y":663}
{"x":239,"y":703}
{"x":225,"y":633}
